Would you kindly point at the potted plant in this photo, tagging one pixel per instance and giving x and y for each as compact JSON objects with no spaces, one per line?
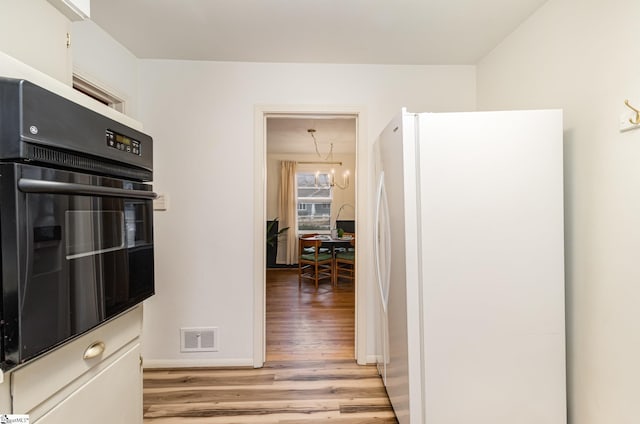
{"x":273,"y":237}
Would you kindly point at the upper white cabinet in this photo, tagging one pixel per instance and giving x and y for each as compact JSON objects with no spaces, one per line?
{"x":76,"y":10}
{"x":44,"y":45}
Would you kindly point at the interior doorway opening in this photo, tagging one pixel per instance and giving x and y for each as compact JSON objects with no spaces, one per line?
{"x":310,"y":190}
{"x":314,"y":149}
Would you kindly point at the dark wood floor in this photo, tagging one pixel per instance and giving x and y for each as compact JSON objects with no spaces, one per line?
{"x":310,"y":376}
{"x":308,"y":324}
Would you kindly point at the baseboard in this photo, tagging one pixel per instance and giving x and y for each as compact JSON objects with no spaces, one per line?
{"x":373,"y":359}
{"x":282,"y":267}
{"x":198,"y":363}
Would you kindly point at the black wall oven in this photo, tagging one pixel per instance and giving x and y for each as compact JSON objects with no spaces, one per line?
{"x":76,"y":220}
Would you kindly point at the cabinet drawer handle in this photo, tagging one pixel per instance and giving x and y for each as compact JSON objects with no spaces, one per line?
{"x":94,"y":349}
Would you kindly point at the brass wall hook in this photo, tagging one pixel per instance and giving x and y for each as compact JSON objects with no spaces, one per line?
{"x":635,"y":120}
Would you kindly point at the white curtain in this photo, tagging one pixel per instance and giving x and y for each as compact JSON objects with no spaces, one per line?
{"x":288,"y":213}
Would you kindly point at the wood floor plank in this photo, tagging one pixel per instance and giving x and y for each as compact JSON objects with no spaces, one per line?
{"x":208,"y":380}
{"x":306,"y":390}
{"x":310,"y":376}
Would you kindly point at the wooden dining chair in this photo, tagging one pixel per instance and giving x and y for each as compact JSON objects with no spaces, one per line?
{"x":345,"y":264}
{"x":309,"y":249}
{"x":350,"y":236}
{"x":316,"y":265}
{"x":302,"y":250}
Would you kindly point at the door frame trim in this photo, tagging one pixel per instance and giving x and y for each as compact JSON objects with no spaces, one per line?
{"x":261,"y":112}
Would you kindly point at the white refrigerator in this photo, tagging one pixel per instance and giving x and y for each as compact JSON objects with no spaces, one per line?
{"x":469,"y":248}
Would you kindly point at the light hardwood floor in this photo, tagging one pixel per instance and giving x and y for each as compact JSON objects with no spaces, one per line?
{"x":310,"y":375}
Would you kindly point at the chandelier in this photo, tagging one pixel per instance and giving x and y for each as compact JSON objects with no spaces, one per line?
{"x":332,"y":175}
{"x":315,"y":144}
{"x":332,"y":180}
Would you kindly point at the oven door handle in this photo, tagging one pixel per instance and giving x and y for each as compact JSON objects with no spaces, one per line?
{"x":55,"y":187}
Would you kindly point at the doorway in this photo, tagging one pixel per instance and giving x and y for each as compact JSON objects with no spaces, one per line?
{"x":310,"y":190}
{"x":316,"y":153}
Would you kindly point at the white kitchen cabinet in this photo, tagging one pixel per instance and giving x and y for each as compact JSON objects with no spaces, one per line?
{"x":35,"y":32}
{"x":64,"y":388}
{"x":76,"y":10}
{"x":114,"y":395}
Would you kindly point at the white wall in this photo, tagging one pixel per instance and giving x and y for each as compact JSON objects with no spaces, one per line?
{"x":582,"y":57}
{"x":201,"y":115}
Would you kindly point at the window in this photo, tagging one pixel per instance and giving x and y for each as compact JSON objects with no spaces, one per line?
{"x":314,"y":202}
{"x":92,"y":90}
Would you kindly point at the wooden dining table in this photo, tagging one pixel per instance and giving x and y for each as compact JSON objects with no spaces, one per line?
{"x":332,"y":242}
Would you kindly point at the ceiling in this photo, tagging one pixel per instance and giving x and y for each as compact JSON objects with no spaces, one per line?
{"x":313,"y":31}
{"x":291,"y":135}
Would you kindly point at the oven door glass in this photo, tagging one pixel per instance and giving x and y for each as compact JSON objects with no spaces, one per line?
{"x":85,"y":253}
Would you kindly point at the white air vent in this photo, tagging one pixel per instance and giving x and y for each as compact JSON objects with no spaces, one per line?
{"x":203,"y":339}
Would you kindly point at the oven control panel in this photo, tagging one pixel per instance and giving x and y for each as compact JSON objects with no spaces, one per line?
{"x":122,"y":142}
